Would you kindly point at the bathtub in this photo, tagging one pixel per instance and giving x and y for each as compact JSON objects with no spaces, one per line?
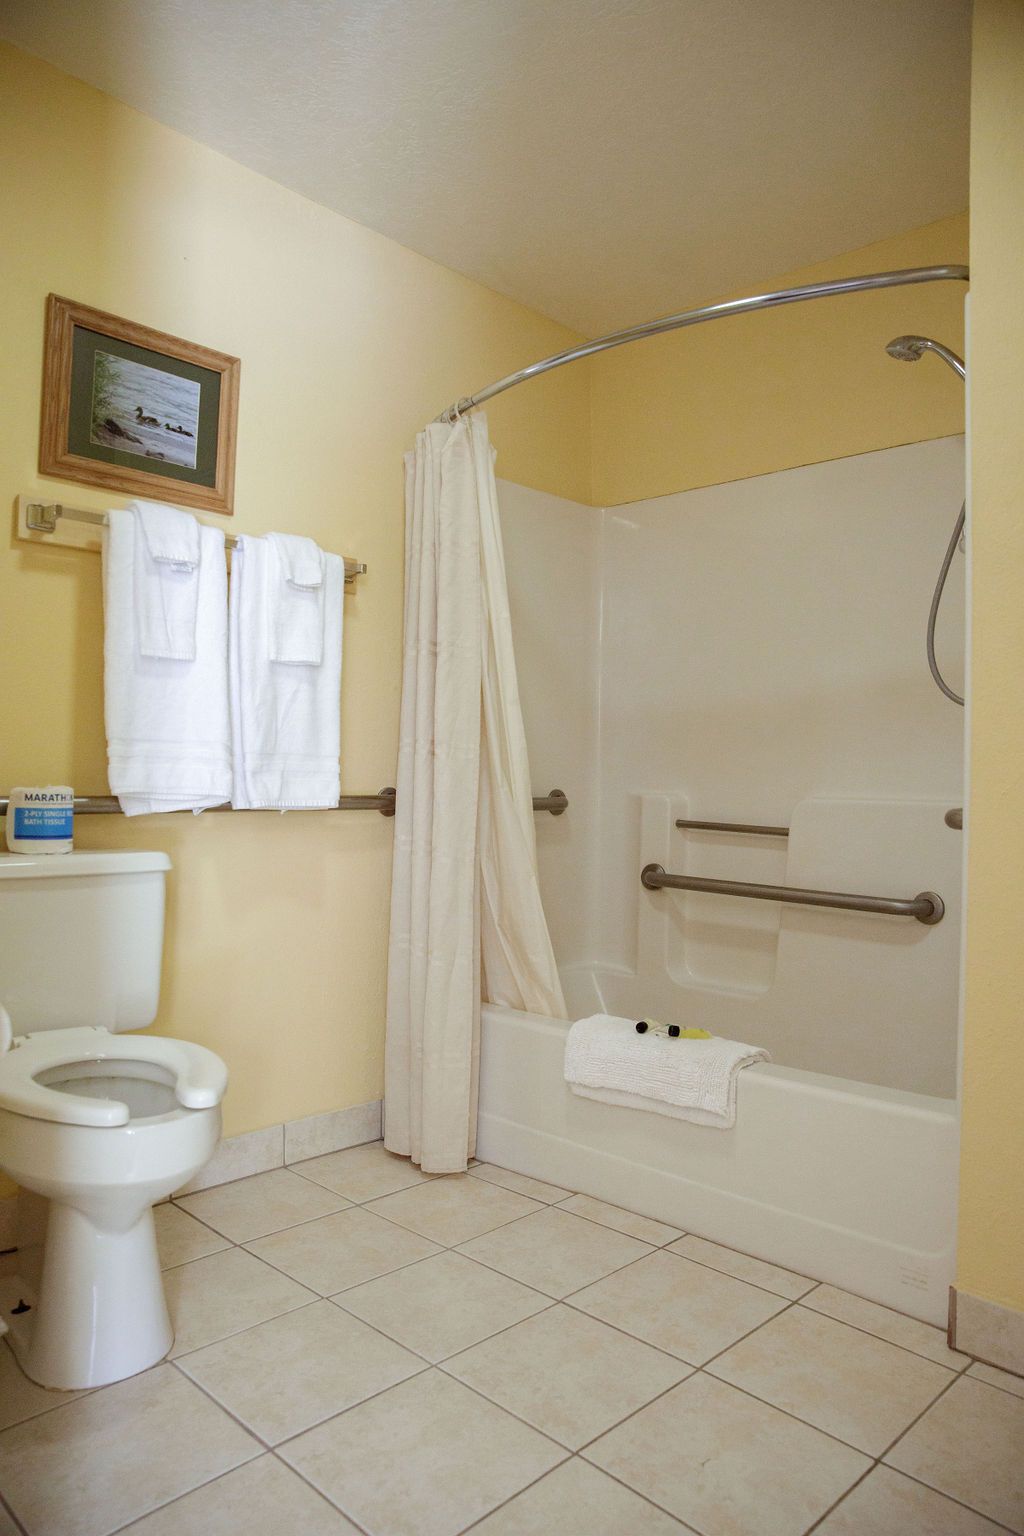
{"x":843,"y":1181}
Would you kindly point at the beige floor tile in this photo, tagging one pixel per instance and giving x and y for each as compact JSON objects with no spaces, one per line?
{"x":223,"y":1294}
{"x":644,"y":1228}
{"x":362,"y":1173}
{"x":908,"y":1332}
{"x":684,"y":1308}
{"x":426,"y":1458}
{"x":888,"y":1504}
{"x":452,"y":1210}
{"x":848,"y":1383}
{"x":578,"y":1500}
{"x":180,"y":1238}
{"x":727,"y":1464}
{"x":342,"y":1250}
{"x":1005,"y":1380}
{"x":534,"y":1189}
{"x":442,"y":1305}
{"x":20,"y":1398}
{"x":568,"y":1375}
{"x":555,"y":1252}
{"x":781,"y":1282}
{"x":268,"y":1202}
{"x":263,"y":1498}
{"x":292,"y":1372}
{"x":971,"y":1446}
{"x":88,"y":1468}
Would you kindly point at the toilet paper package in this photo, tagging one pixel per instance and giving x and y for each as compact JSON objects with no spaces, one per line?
{"x":41,"y":820}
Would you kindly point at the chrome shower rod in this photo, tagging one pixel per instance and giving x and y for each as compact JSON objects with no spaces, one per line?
{"x":686,"y":317}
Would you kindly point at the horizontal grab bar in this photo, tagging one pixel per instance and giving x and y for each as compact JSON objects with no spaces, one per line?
{"x":926,"y":906}
{"x":108,"y":805}
{"x":733,"y":826}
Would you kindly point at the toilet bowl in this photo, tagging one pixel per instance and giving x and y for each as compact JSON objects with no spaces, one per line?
{"x":100,"y":1124}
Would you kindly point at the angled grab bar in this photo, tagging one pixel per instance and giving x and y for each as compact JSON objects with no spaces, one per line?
{"x":926,"y":906}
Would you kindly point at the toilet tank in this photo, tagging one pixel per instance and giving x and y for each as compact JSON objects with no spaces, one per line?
{"x":81,"y":938}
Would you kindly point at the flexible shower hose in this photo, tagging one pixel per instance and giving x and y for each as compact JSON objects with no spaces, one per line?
{"x":933,"y":612}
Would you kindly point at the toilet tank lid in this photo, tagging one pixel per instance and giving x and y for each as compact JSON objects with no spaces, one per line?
{"x":27,"y":866}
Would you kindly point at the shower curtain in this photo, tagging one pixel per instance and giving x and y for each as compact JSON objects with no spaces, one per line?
{"x":466,"y":913}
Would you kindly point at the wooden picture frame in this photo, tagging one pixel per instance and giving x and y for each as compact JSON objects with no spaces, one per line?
{"x":175,"y":444}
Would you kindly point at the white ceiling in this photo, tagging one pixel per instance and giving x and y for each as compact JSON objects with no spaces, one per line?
{"x":604,"y":161}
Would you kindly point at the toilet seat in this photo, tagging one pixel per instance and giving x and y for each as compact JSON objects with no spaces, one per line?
{"x":200,"y":1077}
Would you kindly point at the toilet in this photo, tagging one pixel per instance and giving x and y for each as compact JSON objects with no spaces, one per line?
{"x":98,"y":1123}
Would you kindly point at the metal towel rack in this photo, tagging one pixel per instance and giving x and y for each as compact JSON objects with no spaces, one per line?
{"x":926,"y":906}
{"x":384,"y":801}
{"x":38,"y":520}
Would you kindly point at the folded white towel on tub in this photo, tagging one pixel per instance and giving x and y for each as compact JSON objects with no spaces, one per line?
{"x":165,"y":662}
{"x":693,"y":1080}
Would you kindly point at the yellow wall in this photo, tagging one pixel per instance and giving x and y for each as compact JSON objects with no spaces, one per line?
{"x":796,"y":385}
{"x":349,"y":343}
{"x":991,"y":1257}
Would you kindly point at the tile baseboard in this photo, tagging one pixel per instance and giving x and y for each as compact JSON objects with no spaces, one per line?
{"x":987,"y":1330}
{"x":317,"y":1135}
{"x":275,"y":1146}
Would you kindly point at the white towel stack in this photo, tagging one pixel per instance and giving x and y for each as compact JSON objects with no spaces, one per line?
{"x":286,"y":629}
{"x":693,"y":1080}
{"x":165,"y":661}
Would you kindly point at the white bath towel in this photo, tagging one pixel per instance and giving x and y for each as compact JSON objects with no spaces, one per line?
{"x":168,"y":735}
{"x":285,"y":716}
{"x":694,"y":1080}
{"x":295,"y":598}
{"x":166,"y":580}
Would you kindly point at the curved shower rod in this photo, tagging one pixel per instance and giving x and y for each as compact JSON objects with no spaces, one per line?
{"x":708,"y":312}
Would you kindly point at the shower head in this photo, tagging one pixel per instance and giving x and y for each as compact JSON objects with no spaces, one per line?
{"x":908,"y":349}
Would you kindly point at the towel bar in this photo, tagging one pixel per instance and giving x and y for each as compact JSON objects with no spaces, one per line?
{"x":384,"y":801}
{"x":38,"y":521}
{"x":926,"y":906}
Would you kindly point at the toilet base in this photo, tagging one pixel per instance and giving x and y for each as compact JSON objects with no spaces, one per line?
{"x":99,"y":1312}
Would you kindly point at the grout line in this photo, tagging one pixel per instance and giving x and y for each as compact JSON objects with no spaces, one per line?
{"x":908,"y":1349}
{"x":868,"y":1470}
{"x":335,"y":1508}
{"x":606,"y":1226}
{"x":981,"y":1382}
{"x":971,"y":1508}
{"x":645,"y":1496}
{"x":7,"y":1510}
{"x":464,"y":1348}
{"x":917,"y":1418}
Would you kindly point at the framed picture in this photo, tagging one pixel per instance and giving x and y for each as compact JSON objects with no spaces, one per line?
{"x":133,"y":410}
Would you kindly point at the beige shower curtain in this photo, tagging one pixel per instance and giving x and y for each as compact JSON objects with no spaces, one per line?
{"x":466,"y":913}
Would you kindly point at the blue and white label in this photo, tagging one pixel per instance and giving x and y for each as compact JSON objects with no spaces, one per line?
{"x":43,"y":823}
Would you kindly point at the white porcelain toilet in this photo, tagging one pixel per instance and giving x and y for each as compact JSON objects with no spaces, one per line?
{"x":100,"y":1123}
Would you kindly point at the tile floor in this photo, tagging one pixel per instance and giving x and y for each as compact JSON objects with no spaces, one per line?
{"x":362,"y":1348}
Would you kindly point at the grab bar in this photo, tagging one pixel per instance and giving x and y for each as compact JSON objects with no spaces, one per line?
{"x":926,"y":906}
{"x":108,"y":805}
{"x":733,"y":826}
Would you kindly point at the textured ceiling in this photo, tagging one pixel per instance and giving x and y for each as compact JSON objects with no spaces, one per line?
{"x":603,"y":161}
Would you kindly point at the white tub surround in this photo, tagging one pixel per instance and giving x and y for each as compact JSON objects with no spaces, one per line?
{"x":840,"y":1180}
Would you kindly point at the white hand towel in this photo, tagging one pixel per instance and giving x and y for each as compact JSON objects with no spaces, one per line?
{"x":166,"y":581}
{"x":168,"y":735}
{"x":694,"y":1080}
{"x":285,"y":717}
{"x":295,"y":595}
